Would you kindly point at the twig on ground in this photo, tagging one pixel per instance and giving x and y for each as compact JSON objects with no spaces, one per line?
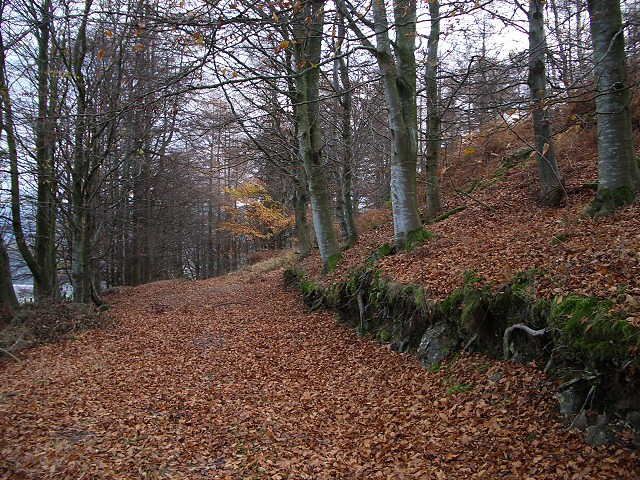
{"x":470,"y":342}
{"x":7,"y":352}
{"x":584,"y":406}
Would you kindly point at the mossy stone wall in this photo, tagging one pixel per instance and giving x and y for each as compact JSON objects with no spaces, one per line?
{"x":583,"y":339}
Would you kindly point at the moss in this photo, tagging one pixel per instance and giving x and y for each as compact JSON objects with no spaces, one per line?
{"x":587,"y":334}
{"x":434,"y":367}
{"x":416,"y":238}
{"x":448,"y":305}
{"x":524,"y":280}
{"x":513,"y":159}
{"x":522,"y":153}
{"x":471,"y":278}
{"x":473,"y":186}
{"x":459,"y":388}
{"x":313,"y":295}
{"x":376,"y":296}
{"x":470,"y":308}
{"x":384,"y":335}
{"x":333,"y":261}
{"x":587,"y":340}
{"x":307,"y":286}
{"x":421,"y":300}
{"x":482,"y":184}
{"x":465,"y":309}
{"x":446,"y":215}
{"x":540,"y":309}
{"x":293,"y":277}
{"x":384,"y":250}
{"x":504,"y":168}
{"x":608,"y":200}
{"x":574,"y":309}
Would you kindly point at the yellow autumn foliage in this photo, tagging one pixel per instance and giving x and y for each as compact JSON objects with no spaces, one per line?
{"x":255,"y":213}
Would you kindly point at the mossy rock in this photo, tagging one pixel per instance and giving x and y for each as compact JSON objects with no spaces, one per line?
{"x":384,"y":335}
{"x":584,"y":338}
{"x":601,"y":346}
{"x":522,"y":153}
{"x":504,"y":168}
{"x":313,"y":295}
{"x":384,"y":250}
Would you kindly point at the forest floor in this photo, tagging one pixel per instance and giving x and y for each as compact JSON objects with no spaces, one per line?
{"x":233,"y":378}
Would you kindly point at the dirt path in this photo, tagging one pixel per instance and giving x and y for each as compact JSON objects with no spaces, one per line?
{"x":229,"y":378}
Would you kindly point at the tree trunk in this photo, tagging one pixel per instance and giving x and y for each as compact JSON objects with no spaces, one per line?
{"x":343,"y":87}
{"x":300,"y":203}
{"x":39,"y":262}
{"x":81,"y":232}
{"x":433,"y":114}
{"x":337,"y":176}
{"x":307,"y":57}
{"x":618,"y":169}
{"x":45,"y":243}
{"x":399,"y":82}
{"x":551,"y":191}
{"x":8,"y":299}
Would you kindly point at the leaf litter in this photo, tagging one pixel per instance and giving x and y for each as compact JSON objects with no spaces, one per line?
{"x":233,"y":379}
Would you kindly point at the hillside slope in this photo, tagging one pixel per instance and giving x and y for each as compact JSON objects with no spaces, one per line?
{"x":503,"y":231}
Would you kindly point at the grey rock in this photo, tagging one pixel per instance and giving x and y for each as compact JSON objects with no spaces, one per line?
{"x":633,"y":420}
{"x":400,"y":345}
{"x":432,"y":347}
{"x":599,"y":435}
{"x":570,"y":402}
{"x":602,"y":420}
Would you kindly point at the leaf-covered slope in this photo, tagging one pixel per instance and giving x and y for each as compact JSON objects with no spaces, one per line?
{"x":231,"y":378}
{"x":504,"y":232}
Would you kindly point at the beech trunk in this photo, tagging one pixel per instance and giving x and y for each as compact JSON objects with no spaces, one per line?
{"x":618,"y":169}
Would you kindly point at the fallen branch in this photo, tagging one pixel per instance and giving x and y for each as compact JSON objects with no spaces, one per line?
{"x":464,"y":194}
{"x":446,"y":215}
{"x":584,"y":406}
{"x":361,"y":309}
{"x":531,"y":332}
{"x":7,"y":352}
{"x":470,"y":342}
{"x":10,"y":394}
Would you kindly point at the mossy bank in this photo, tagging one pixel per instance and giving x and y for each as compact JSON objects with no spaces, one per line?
{"x":578,"y":340}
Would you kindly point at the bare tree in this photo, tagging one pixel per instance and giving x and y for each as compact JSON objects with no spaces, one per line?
{"x":551,"y":191}
{"x":41,"y":260}
{"x":307,"y":36}
{"x":397,"y":68}
{"x":618,"y":169}
{"x":434,"y":137}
